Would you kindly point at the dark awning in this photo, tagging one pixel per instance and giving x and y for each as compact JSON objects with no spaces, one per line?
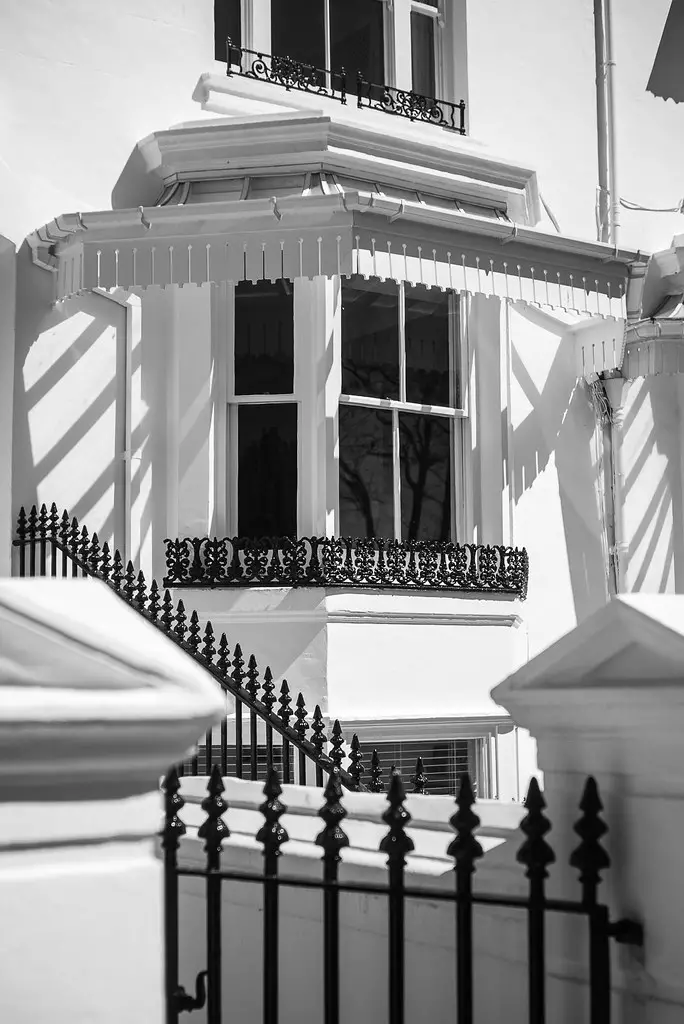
{"x":667,"y":76}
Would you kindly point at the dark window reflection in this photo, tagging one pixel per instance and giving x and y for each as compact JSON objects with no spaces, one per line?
{"x":425,"y":477}
{"x":423,"y":53}
{"x":264,"y":338}
{"x":226,"y":26}
{"x":267,"y":470}
{"x":298,"y":30}
{"x":370,"y":338}
{"x":356,"y":40}
{"x":427,"y":346}
{"x":366,"y":505}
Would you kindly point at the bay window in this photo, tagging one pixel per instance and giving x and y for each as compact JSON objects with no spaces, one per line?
{"x":399,"y":415}
{"x":396,"y":464}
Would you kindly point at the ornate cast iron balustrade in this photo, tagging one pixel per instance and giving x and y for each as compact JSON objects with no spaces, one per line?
{"x":293,"y":74}
{"x":343,"y":561}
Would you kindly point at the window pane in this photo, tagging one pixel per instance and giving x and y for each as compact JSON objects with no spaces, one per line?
{"x":423,"y":53}
{"x":370,"y":338}
{"x":267,"y":470}
{"x":427,"y":346}
{"x":298,"y":30}
{"x":264,"y":338}
{"x":425,"y":451}
{"x":356,"y":40}
{"x":226,"y":26}
{"x":366,"y":508}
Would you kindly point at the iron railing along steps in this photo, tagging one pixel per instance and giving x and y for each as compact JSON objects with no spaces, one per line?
{"x":50,"y":544}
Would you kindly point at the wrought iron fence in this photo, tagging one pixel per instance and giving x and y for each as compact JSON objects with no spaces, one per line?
{"x":535,"y":854}
{"x":337,"y":85}
{"x":343,"y":561}
{"x":263,"y":724}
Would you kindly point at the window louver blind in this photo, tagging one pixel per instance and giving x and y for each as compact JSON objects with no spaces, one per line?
{"x":444,"y":761}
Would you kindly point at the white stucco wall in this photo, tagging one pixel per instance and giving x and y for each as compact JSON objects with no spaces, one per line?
{"x":69,"y":404}
{"x":531,"y":94}
{"x":361,"y":654}
{"x":82,"y":83}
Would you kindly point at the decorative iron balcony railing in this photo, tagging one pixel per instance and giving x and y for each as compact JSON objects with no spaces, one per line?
{"x":344,"y":562}
{"x":337,"y":85}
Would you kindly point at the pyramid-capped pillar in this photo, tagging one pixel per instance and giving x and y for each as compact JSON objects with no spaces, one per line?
{"x":607,"y":700}
{"x":95,"y":705}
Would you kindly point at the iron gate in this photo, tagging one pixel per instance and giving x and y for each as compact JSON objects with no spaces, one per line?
{"x":535,"y":854}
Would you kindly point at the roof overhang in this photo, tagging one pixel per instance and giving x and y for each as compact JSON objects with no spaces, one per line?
{"x":329,"y":235}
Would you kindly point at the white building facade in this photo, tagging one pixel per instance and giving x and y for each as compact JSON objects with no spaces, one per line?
{"x":319,"y":303}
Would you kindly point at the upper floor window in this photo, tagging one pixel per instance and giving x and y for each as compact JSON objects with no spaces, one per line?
{"x":332,"y":34}
{"x":403,"y":45}
{"x":424,"y":48}
{"x":227,"y":25}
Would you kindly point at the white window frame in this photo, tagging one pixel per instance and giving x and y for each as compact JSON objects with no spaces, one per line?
{"x":458,"y":363}
{"x":233,"y":402}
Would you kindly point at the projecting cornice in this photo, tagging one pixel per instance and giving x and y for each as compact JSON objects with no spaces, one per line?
{"x":298,"y":140}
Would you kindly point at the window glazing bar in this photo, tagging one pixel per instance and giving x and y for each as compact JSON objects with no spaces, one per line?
{"x":402,"y":342}
{"x":392,"y":404}
{"x":396,"y":474}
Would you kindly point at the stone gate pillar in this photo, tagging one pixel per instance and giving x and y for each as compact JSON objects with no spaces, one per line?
{"x":95,"y":705}
{"x":608,"y":700}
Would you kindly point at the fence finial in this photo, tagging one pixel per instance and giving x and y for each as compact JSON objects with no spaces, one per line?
{"x":285,"y":701}
{"x":535,"y":853}
{"x":589,"y":857}
{"x":180,"y":629}
{"x":128,"y":588}
{"x":396,"y":844}
{"x":208,"y":647}
{"x":154,"y":606}
{"x":301,"y":724}
{"x":464,"y":848}
{"x":252,"y":684}
{"x":420,"y":779}
{"x":319,"y":738}
{"x":268,"y":697}
{"x":214,"y":829}
{"x":173,"y":804}
{"x":167,"y":612}
{"x":237,"y":675}
{"x":356,"y":765}
{"x":223,"y":662}
{"x":194,"y":632}
{"x":332,"y":839}
{"x":376,"y":784}
{"x":272,"y":834}
{"x":337,"y":744}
